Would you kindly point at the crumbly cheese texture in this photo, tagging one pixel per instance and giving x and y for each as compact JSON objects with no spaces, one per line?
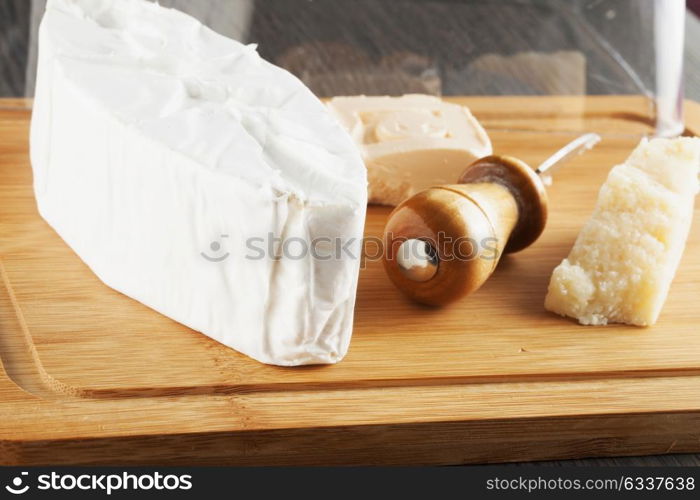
{"x":410,"y":143}
{"x":625,"y":257}
{"x":177,"y":163}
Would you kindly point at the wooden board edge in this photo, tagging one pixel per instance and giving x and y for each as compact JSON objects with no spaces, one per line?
{"x":16,"y":103}
{"x":440,"y":443}
{"x":25,"y":421}
{"x":692,"y":117}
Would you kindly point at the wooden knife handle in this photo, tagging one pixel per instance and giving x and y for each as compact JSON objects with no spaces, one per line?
{"x":499,"y":206}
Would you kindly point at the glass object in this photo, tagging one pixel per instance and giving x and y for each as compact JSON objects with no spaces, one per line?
{"x":569,"y":48}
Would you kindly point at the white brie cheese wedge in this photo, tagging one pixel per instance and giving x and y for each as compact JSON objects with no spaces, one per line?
{"x":198,"y":179}
{"x":625,"y":257}
{"x":412,"y":142}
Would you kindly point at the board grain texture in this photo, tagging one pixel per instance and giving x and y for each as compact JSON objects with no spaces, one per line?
{"x":90,"y":376}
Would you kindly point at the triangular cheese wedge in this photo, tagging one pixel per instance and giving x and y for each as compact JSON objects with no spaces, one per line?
{"x":197,"y":178}
{"x":625,"y":257}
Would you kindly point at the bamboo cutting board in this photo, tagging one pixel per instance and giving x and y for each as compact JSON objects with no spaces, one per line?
{"x":91,"y":376}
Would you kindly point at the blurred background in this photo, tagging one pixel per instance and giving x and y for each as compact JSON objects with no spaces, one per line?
{"x":468,"y":47}
{"x":441,"y":47}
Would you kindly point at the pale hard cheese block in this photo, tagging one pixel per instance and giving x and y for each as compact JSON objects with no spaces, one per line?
{"x":178,"y":164}
{"x":410,"y":143}
{"x":625,"y":257}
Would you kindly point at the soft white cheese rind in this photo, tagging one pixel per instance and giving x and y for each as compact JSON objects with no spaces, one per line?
{"x":625,"y":257}
{"x":153,"y":137}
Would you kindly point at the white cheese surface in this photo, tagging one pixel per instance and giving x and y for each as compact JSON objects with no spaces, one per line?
{"x":625,"y":257}
{"x":168,"y":157}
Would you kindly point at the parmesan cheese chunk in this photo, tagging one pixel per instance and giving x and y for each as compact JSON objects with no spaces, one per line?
{"x":622,"y":264}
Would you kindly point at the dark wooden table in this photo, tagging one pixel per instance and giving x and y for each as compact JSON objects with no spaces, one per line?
{"x":411,"y":46}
